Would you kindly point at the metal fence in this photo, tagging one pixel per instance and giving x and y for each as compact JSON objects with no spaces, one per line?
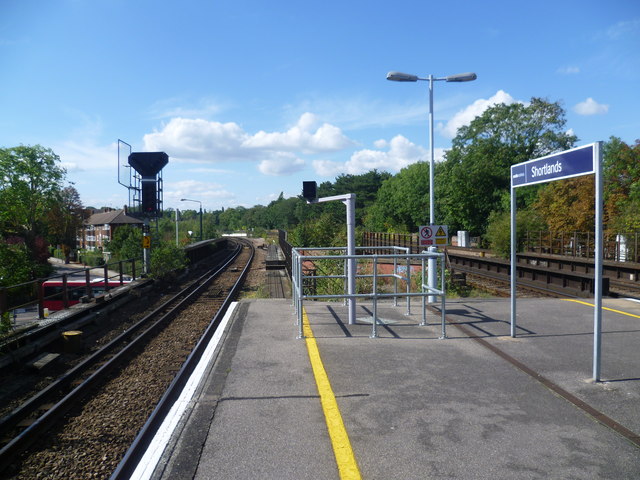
{"x":619,"y":247}
{"x":31,"y":294}
{"x":310,"y":266}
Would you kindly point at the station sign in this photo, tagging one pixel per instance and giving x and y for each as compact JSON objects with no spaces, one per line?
{"x":570,"y":163}
{"x":433,"y":236}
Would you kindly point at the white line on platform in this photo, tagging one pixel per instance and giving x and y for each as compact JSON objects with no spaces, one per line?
{"x":147,"y":465}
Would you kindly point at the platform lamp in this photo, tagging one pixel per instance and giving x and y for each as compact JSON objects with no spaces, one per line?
{"x":196,"y":201}
{"x":406,"y":77}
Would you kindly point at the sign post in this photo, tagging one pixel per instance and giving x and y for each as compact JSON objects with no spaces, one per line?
{"x":570,"y":163}
{"x":432,"y":236}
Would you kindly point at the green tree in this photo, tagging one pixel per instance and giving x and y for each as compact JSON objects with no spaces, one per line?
{"x":64,"y":218}
{"x":622,"y":185}
{"x":166,"y":259}
{"x":30,"y":187}
{"x":402,"y":202}
{"x":126,"y":243}
{"x":475,"y":173}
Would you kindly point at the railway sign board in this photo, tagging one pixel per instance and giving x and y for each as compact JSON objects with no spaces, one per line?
{"x":433,"y":235}
{"x":570,"y":163}
{"x":567,"y":164}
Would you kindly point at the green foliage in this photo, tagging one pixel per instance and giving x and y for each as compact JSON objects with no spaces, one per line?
{"x":5,"y":323}
{"x":30,"y":188}
{"x":92,"y":259}
{"x":15,"y":264}
{"x":323,"y":231}
{"x":471,"y":181}
{"x":402,"y":203}
{"x":622,"y":185}
{"x":126,"y":243}
{"x":166,"y":258}
{"x":498,"y":233}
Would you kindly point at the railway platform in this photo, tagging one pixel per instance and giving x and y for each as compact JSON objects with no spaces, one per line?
{"x":409,"y":405}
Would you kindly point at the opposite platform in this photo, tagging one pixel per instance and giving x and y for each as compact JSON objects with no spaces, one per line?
{"x":414,"y":406}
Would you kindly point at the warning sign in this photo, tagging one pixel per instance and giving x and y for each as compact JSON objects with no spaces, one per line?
{"x":146,"y":241}
{"x":433,"y":235}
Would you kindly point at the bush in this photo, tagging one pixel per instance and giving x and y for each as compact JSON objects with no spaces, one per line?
{"x":92,"y":259}
{"x":499,"y":230}
{"x":166,"y":258}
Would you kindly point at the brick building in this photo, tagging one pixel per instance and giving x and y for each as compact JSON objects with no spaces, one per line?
{"x":99,"y":228}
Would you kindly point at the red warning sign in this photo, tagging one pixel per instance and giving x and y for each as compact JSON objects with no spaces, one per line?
{"x":433,"y":235}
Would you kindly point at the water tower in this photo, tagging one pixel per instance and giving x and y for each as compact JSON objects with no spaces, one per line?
{"x":148,"y":186}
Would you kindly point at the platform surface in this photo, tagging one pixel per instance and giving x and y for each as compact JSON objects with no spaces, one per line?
{"x":415,"y":406}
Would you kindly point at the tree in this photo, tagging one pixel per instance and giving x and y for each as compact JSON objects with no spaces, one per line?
{"x":402,"y":202}
{"x":365,"y":187}
{"x":30,"y":186}
{"x":64,"y":219}
{"x":622,"y":185}
{"x":568,"y":205}
{"x":126,"y":243}
{"x":475,"y":174}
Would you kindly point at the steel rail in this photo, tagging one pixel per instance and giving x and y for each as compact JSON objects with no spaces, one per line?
{"x":142,"y":441}
{"x":51,"y":416}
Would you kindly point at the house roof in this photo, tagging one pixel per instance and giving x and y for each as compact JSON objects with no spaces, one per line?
{"x":115,"y":217}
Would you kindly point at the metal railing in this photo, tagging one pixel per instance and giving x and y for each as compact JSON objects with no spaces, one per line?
{"x":310,"y":266}
{"x":31,"y":294}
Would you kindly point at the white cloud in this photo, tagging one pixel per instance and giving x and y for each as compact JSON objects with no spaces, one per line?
{"x":78,"y":157}
{"x":624,"y":28}
{"x":203,"y":141}
{"x":569,"y":70}
{"x":198,"y":140}
{"x":203,"y":191}
{"x":591,"y":107}
{"x":465,"y":116}
{"x":400,"y":153}
{"x":302,"y":138}
{"x":284,"y":165}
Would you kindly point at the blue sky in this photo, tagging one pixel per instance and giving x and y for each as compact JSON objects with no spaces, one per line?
{"x":249,"y":98}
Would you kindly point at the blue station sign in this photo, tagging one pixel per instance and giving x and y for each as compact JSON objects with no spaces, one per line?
{"x":566,"y":164}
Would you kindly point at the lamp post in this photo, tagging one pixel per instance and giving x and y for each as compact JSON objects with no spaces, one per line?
{"x":406,"y":77}
{"x":197,"y":201}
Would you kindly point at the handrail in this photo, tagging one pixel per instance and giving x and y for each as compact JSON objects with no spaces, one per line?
{"x":300,"y":257}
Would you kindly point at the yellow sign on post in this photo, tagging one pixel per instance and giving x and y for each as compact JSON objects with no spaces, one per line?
{"x":146,"y":241}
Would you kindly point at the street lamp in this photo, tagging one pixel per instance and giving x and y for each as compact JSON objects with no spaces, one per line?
{"x":406,"y":77}
{"x":197,"y":201}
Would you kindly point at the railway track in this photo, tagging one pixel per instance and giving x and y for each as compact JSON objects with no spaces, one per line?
{"x":90,"y":416}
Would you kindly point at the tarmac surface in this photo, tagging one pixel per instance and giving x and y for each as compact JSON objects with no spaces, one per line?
{"x":476,"y":405}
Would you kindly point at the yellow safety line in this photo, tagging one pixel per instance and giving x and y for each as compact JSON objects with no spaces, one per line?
{"x":604,"y":308}
{"x":347,"y":465}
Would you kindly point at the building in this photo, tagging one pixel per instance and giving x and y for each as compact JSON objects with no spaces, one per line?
{"x":99,"y":228}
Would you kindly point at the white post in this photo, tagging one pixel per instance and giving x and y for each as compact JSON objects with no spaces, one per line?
{"x":350,"y":203}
